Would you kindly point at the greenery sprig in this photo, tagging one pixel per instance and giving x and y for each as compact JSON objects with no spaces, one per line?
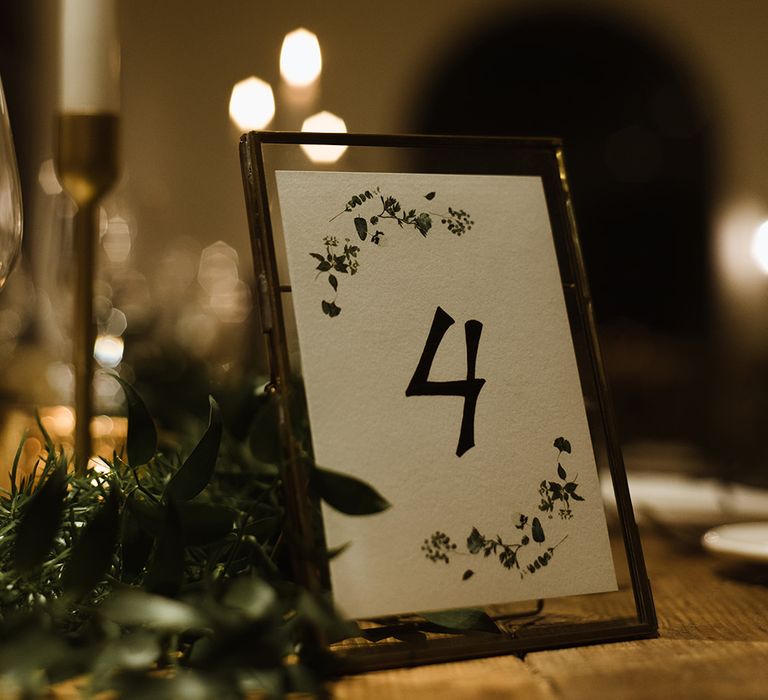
{"x":440,"y":548}
{"x":563,"y":491}
{"x":332,"y":262}
{"x":151,"y":561}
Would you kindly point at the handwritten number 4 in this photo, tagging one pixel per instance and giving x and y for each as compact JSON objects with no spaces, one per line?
{"x":469,"y":388}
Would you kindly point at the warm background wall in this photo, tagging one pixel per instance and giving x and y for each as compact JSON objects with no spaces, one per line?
{"x":181,"y":187}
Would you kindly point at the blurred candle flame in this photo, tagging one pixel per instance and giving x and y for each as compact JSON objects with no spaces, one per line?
{"x":300,"y":59}
{"x":324,"y":122}
{"x":760,"y":247}
{"x":252,"y":104}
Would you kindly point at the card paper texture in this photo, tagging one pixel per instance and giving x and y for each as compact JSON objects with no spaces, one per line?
{"x":439,"y":367}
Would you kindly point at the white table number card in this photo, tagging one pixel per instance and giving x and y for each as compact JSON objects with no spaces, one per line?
{"x":439,"y":367}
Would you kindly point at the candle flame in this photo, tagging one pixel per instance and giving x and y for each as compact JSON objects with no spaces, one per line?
{"x":324,"y":122}
{"x":300,"y":59}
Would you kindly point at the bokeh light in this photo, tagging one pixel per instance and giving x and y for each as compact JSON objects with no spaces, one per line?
{"x":300,"y":59}
{"x":252,"y":104}
{"x":324,"y":122}
{"x":760,"y":247}
{"x":108,"y":350}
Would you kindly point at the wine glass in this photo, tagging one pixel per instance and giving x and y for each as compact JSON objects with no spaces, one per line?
{"x":10,"y":197}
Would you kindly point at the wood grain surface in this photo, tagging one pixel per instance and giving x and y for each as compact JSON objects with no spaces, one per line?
{"x":714,"y":644}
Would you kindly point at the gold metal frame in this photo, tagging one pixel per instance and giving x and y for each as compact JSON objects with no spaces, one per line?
{"x":541,"y":157}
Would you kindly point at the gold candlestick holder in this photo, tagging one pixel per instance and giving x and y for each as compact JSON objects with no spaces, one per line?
{"x":87,"y":165}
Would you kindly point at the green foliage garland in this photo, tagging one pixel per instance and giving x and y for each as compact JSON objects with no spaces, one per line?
{"x":164,"y":576}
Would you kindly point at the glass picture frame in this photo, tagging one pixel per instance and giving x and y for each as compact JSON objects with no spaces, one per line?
{"x":522,"y":206}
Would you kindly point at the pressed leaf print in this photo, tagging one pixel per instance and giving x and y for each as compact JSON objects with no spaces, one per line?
{"x":377,"y":215}
{"x":527,"y":551}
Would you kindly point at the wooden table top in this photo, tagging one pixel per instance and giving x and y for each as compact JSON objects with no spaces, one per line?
{"x":713,"y":643}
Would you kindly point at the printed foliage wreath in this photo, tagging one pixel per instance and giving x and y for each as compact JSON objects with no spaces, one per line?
{"x":439,"y":547}
{"x":342,"y":257}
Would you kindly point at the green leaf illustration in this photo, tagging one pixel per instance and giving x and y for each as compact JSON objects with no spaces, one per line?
{"x":347,"y":494}
{"x":467,"y":574}
{"x":563,"y":445}
{"x":511,"y":552}
{"x":456,"y":221}
{"x":475,"y":541}
{"x":40,"y":522}
{"x":330,"y":308}
{"x":333,"y":282}
{"x":361,"y":225}
{"x":193,"y":476}
{"x":142,"y":434}
{"x":423,"y":223}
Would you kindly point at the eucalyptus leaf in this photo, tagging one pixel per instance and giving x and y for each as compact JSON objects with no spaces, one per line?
{"x":135,"y":543}
{"x":253,"y":597}
{"x":135,"y":651}
{"x":165,"y":573}
{"x":141,"y":443}
{"x":204,"y":523}
{"x":30,"y":649}
{"x":193,"y":476}
{"x":133,"y":607}
{"x":91,"y":556}
{"x":347,"y":494}
{"x":40,"y":522}
{"x":146,"y":514}
{"x":464,"y":619}
{"x":201,"y":523}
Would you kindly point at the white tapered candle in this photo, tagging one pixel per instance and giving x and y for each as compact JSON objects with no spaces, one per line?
{"x":90,"y":57}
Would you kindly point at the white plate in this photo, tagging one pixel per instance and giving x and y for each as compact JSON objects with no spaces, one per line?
{"x":671,"y":499}
{"x":748,"y":541}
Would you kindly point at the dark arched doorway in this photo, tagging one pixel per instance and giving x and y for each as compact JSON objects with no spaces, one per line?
{"x":640,"y":157}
